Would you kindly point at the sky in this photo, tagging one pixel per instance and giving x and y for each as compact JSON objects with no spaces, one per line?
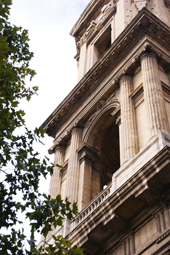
{"x":49,"y":23}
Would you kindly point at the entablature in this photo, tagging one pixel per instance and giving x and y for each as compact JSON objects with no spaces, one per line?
{"x":141,"y":31}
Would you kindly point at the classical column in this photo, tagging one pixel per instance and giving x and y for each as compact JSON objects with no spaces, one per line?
{"x":129,"y":138}
{"x":72,"y":179}
{"x":55,"y":183}
{"x":153,"y":95}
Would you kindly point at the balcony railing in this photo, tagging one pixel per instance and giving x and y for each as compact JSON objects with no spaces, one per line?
{"x":94,"y":204}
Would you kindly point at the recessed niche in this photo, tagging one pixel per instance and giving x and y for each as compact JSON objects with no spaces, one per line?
{"x":103,"y":43}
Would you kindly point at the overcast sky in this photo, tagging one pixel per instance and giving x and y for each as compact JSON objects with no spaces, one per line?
{"x":49,"y":23}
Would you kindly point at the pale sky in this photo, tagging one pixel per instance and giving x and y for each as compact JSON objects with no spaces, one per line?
{"x":49,"y":23}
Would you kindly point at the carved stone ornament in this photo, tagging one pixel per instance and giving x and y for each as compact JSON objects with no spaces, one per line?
{"x":86,"y":156}
{"x":106,"y":7}
{"x":99,"y":106}
{"x":118,"y":120}
{"x":140,"y":4}
{"x":114,"y":97}
{"x":90,"y":29}
{"x":167,"y":3}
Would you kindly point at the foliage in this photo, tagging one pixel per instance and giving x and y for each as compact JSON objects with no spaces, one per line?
{"x":21,"y":167}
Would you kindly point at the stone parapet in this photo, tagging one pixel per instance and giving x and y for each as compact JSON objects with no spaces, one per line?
{"x":154,"y":145}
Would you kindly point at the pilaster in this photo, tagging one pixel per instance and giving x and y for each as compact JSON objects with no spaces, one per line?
{"x":153,"y":95}
{"x":129,"y":137}
{"x":86,"y":158}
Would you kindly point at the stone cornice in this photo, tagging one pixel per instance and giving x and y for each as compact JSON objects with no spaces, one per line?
{"x":136,"y":189}
{"x":86,"y":17}
{"x":93,"y":6}
{"x":143,"y":23}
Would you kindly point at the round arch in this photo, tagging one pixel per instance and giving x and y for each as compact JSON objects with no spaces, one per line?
{"x":99,"y":117}
{"x":102,"y":133}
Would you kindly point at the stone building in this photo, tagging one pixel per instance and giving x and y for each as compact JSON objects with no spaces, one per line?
{"x":112,"y":132}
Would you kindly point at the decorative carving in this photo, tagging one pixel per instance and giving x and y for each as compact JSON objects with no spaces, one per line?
{"x":114,"y":97}
{"x":86,"y":156}
{"x":67,"y":133}
{"x":106,"y":9}
{"x":91,"y":118}
{"x":82,"y":40}
{"x":140,"y":4}
{"x":100,"y":105}
{"x":167,"y":3}
{"x":78,"y":123}
{"x":91,"y":27}
{"x":118,"y":120}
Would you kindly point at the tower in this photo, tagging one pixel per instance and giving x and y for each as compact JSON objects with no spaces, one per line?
{"x":112,"y":132}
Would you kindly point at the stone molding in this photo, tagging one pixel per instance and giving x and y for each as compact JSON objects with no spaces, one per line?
{"x":96,"y":116}
{"x":105,"y":206}
{"x":95,"y":26}
{"x":98,"y":210}
{"x":140,"y":4}
{"x":146,"y":44}
{"x":144,"y":19}
{"x":87,"y":152}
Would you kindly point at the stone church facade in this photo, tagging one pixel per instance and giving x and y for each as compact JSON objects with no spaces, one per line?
{"x":112,"y":132}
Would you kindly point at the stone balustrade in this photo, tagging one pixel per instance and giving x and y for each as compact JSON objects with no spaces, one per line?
{"x":94,"y":204}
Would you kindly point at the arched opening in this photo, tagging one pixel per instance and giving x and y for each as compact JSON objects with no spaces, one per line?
{"x":110,"y":153}
{"x":104,"y":136}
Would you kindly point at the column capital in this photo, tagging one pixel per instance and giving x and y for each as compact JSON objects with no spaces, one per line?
{"x":151,"y":54}
{"x":58,"y":147}
{"x":76,"y":130}
{"x":86,"y":156}
{"x":125,"y":76}
{"x":54,"y":148}
{"x":86,"y":152}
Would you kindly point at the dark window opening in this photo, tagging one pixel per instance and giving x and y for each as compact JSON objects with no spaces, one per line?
{"x":110,"y":152}
{"x":103,"y":43}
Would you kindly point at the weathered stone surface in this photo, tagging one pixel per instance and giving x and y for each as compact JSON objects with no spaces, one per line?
{"x":153,"y":95}
{"x":72,"y":180}
{"x":114,"y":126}
{"x":129,"y":137}
{"x":55,"y":183}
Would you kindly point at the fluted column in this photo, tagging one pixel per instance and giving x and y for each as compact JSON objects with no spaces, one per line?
{"x":72,"y":180}
{"x":153,"y":95}
{"x":129,"y":138}
{"x":55,"y":183}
